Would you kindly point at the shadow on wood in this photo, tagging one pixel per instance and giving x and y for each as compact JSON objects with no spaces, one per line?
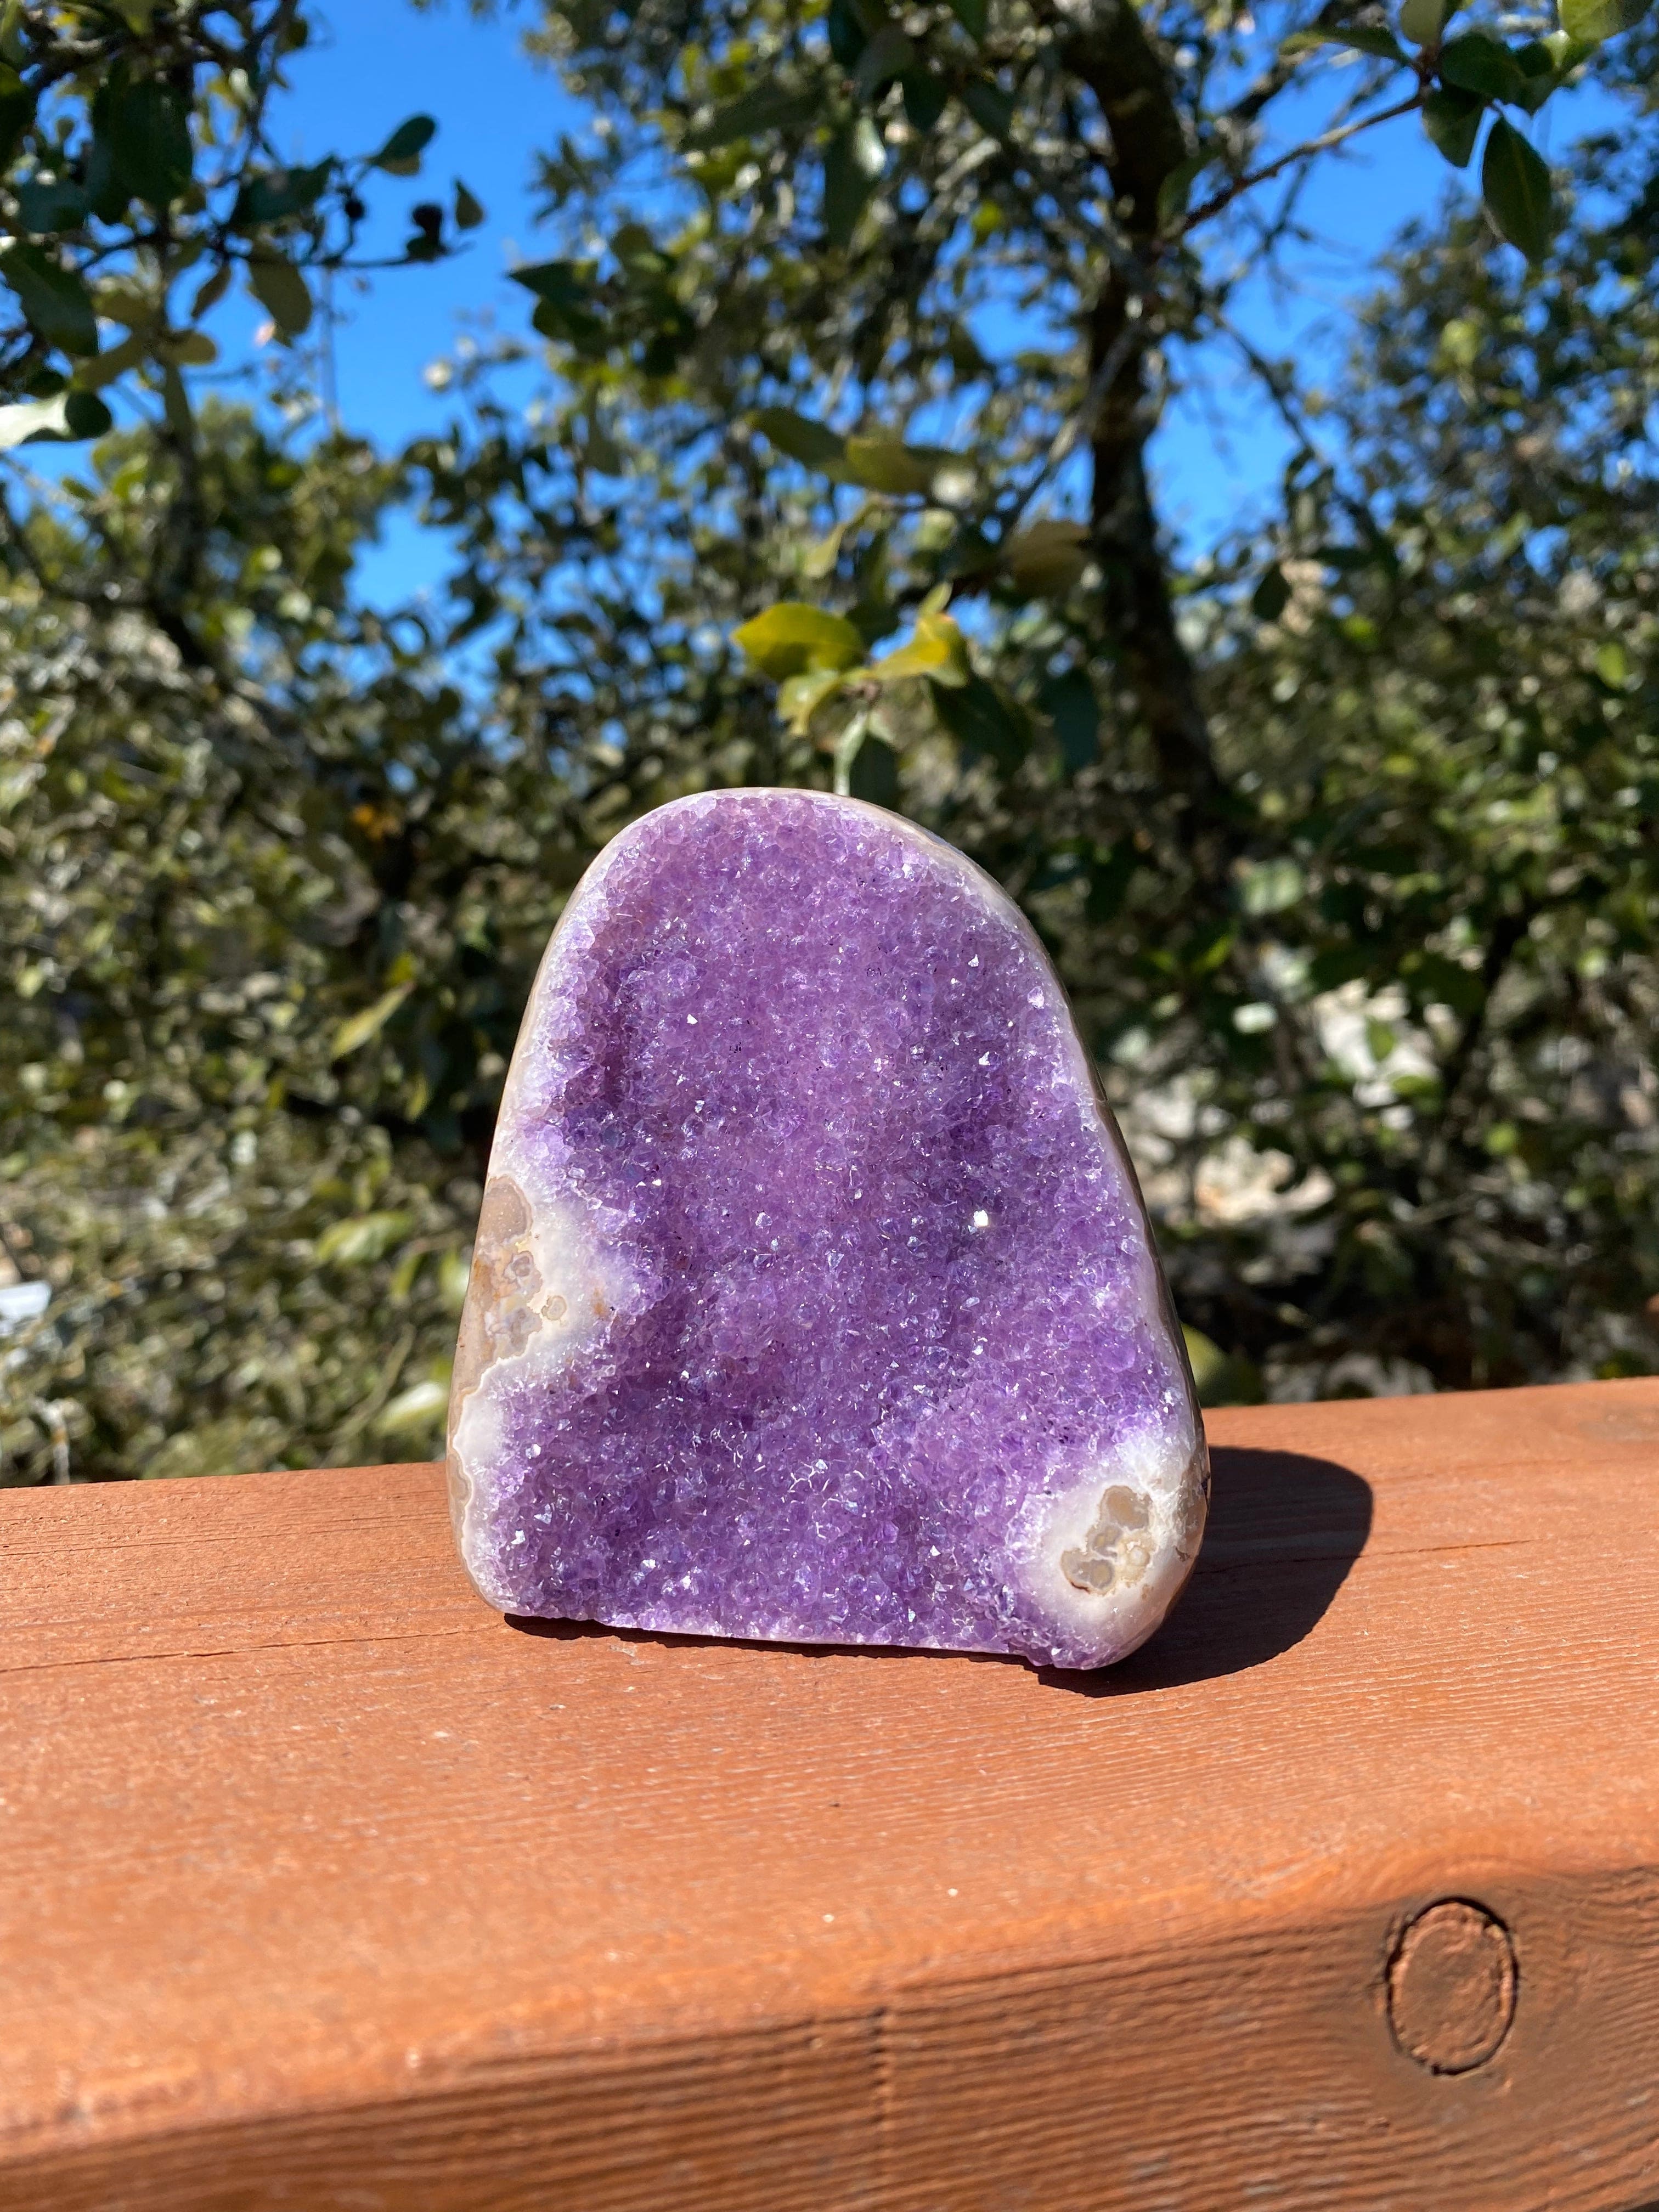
{"x":1285,"y":1529}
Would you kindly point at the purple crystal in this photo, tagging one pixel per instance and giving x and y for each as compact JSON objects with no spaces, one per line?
{"x":813,"y":1296}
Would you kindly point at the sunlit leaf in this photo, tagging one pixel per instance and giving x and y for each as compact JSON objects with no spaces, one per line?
{"x":800,"y":696}
{"x":362,"y":1238}
{"x":888,"y":464}
{"x":412,"y":1410}
{"x":356,"y":1031}
{"x":938,"y":650}
{"x":1592,"y":21}
{"x":28,"y":419}
{"x":791,"y":637}
{"x":1271,"y":886}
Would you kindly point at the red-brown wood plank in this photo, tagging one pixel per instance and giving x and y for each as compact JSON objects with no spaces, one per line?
{"x":323,"y":1887}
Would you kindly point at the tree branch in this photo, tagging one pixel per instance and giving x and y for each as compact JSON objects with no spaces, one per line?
{"x":1304,"y":152}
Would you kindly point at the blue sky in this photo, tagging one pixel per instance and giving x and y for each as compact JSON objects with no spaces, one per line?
{"x":379,"y":61}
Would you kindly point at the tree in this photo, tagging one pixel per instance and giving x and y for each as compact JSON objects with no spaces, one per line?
{"x":1332,"y":834}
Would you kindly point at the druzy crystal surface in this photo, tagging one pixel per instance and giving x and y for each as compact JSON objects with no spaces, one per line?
{"x":813,"y":1296}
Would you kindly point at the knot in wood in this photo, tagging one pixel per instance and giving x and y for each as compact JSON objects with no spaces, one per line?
{"x":1451,"y":1986}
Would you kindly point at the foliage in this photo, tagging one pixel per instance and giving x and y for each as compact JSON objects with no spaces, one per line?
{"x":1340,"y":835}
{"x":140,"y":182}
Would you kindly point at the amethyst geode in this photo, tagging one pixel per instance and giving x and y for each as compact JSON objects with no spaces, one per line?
{"x":813,"y":1296}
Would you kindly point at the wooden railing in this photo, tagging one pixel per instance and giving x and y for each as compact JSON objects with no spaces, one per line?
{"x":323,"y":1887}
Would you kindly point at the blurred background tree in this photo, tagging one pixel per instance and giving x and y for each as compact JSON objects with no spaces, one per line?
{"x":852,"y":331}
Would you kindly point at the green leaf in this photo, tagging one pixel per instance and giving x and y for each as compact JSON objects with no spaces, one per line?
{"x":924,"y":98}
{"x":853,"y":161}
{"x":1271,"y":886}
{"x":274,"y":195}
{"x":211,"y":291}
{"x":186,"y":349}
{"x":356,"y":1031}
{"x":973,"y":15}
{"x":1047,"y":559}
{"x":1592,"y":21}
{"x":1358,"y":38}
{"x":361,"y":1239}
{"x":884,"y":463}
{"x":848,"y":36}
{"x":400,"y":156}
{"x":1071,"y":705}
{"x":564,"y":295}
{"x":566,"y":284}
{"x":1538,"y":78}
{"x":763,"y":107}
{"x":991,"y":107}
{"x":16,"y":113}
{"x":1476,"y":62}
{"x":115,"y":361}
{"x":813,"y":444}
{"x":1271,"y":596}
{"x":469,"y":212}
{"x":800,"y":696}
{"x":983,"y":719}
{"x":415,"y":1408}
{"x":280,"y":290}
{"x":1516,"y":185}
{"x":1370,"y":39}
{"x":888,"y":55}
{"x":1175,"y":190}
{"x":149,"y":140}
{"x":1423,"y":21}
{"x":56,"y":303}
{"x":1452,"y":119}
{"x":791,"y":638}
{"x":85,"y":415}
{"x":44,"y":208}
{"x":873,"y":774}
{"x":938,"y":650}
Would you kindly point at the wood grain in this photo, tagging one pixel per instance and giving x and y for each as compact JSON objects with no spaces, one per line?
{"x":323,"y":1888}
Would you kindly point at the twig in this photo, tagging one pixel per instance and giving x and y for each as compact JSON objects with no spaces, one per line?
{"x":1219,"y":200}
